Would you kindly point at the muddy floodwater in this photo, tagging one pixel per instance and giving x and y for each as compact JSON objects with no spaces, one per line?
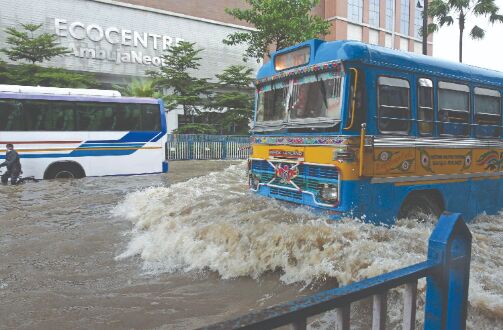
{"x":193,"y":247}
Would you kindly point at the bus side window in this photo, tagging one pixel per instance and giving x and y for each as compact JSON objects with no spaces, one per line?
{"x":85,"y":114}
{"x":487,"y":112}
{"x":425,"y":106}
{"x":37,"y":115}
{"x":150,"y":117}
{"x":10,"y":115}
{"x":128,"y":117}
{"x":453,"y":109}
{"x":393,"y":105}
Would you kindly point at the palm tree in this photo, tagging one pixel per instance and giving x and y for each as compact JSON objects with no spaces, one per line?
{"x":444,"y":12}
{"x":141,"y":88}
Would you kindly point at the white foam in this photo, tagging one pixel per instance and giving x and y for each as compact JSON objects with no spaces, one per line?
{"x":212,"y":223}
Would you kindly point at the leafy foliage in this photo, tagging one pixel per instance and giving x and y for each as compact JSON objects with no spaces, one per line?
{"x":446,"y":12}
{"x":236,"y":99}
{"x":25,"y":45}
{"x":28,"y":47}
{"x":196,"y":128}
{"x":34,"y":75}
{"x":140,"y":88}
{"x":184,"y":89}
{"x":278,"y":23}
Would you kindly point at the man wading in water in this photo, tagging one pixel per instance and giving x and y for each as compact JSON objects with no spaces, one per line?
{"x":13,"y":165}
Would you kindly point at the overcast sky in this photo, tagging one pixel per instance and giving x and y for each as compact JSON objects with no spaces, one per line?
{"x":487,"y":52}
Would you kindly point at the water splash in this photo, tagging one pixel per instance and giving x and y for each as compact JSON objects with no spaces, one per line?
{"x":212,"y":223}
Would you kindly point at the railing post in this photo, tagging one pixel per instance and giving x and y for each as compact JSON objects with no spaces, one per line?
{"x":224,"y":142}
{"x":190,"y":143}
{"x":447,"y":289}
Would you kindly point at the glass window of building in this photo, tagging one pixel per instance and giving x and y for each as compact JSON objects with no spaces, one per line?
{"x":418,"y":21}
{"x":374,"y":12}
{"x":389,"y":14}
{"x":404,"y":17}
{"x":355,"y":10}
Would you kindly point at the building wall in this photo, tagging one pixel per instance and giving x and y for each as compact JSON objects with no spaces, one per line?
{"x":335,"y":11}
{"x":118,"y":41}
{"x":214,"y":10}
{"x":343,"y":27}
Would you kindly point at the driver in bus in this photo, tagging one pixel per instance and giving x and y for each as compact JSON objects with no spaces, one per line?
{"x":13,"y":165}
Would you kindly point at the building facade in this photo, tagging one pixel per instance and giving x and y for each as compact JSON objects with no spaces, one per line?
{"x":389,"y":23}
{"x":118,"y":40}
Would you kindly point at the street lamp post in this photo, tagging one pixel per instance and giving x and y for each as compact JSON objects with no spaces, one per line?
{"x":425,"y":24}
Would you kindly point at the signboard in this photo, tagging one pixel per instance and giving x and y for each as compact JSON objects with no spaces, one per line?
{"x":141,"y":42}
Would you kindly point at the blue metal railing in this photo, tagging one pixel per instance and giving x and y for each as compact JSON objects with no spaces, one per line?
{"x":202,"y":146}
{"x":447,"y":272}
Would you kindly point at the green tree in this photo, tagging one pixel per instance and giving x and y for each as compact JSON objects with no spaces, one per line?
{"x":444,"y":12}
{"x":140,"y":88}
{"x":34,"y":75}
{"x":177,"y":78}
{"x":26,"y":45}
{"x":236,"y":99}
{"x":278,"y":24}
{"x":196,"y":128}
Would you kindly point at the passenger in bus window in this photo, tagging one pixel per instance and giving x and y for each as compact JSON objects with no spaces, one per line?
{"x":13,"y":165}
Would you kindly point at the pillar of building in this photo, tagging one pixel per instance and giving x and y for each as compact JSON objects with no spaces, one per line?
{"x":398,"y":7}
{"x":382,"y":22}
{"x":365,"y":29}
{"x":412,"y":27}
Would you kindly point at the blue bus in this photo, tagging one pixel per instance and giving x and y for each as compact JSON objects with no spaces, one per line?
{"x":353,"y":129}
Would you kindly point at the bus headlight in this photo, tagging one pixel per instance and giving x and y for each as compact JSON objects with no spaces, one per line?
{"x":329,"y":193}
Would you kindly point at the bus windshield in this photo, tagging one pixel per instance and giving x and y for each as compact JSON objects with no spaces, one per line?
{"x":313,"y":98}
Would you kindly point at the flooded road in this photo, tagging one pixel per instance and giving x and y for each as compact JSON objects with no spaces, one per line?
{"x":193,"y":247}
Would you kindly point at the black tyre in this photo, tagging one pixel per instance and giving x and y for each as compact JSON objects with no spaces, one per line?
{"x":421,"y":207}
{"x":64,"y":171}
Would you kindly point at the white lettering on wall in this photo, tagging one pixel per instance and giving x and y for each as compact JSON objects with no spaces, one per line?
{"x":78,"y":31}
{"x":108,"y":35}
{"x":73,"y":31}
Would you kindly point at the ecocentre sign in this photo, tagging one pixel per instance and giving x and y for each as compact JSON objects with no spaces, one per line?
{"x":113,"y":44}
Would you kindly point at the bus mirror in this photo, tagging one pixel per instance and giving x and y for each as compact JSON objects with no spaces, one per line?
{"x":353,"y":98}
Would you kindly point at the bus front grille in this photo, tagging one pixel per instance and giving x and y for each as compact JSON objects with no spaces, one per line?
{"x":290,"y":194}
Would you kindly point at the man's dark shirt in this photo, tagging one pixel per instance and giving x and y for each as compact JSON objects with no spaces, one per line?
{"x":12,"y":161}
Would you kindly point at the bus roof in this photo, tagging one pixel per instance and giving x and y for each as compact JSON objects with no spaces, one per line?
{"x":355,"y":51}
{"x":69,"y":94}
{"x":58,"y":90}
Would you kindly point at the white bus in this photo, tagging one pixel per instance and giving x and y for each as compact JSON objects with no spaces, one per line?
{"x":73,"y":133}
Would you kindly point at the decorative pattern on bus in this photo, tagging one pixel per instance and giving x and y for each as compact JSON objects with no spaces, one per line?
{"x":333,"y":65}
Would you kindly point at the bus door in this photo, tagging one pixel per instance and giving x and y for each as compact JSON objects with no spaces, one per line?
{"x":356,"y":113}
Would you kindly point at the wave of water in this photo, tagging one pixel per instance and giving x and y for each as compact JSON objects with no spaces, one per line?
{"x":212,"y":223}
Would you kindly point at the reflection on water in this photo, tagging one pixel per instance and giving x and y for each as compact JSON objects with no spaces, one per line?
{"x":174,"y":251}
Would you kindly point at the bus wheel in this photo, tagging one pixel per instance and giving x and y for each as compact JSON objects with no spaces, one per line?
{"x":64,"y":170}
{"x":421,"y":207}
